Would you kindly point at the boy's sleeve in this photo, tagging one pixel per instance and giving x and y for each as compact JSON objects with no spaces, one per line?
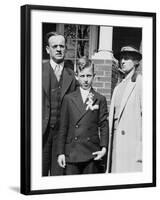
{"x":103,"y":123}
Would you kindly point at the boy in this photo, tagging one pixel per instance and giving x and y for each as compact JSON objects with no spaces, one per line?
{"x":83,"y":135}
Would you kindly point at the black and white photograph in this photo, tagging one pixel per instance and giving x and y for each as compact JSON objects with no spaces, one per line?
{"x":89,"y":99}
{"x":79,"y":134}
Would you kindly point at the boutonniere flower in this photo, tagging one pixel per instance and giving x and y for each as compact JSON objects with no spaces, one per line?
{"x":90,"y":102}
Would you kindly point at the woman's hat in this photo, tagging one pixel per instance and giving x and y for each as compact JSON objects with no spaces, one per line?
{"x":129,"y":50}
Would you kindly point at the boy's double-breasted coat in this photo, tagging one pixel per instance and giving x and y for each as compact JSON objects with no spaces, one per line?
{"x":82,"y":131}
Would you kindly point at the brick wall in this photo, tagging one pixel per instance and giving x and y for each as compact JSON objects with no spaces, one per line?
{"x":106,"y":77}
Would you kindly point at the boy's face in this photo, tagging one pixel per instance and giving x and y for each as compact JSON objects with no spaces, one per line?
{"x":85,"y":78}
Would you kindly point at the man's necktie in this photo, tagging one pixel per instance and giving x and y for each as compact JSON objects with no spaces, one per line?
{"x":57,"y":72}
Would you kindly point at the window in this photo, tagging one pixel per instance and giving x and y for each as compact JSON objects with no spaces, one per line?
{"x":77,"y":41}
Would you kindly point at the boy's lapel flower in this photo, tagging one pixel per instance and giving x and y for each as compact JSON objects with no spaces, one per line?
{"x":95,"y":107}
{"x":90,"y":102}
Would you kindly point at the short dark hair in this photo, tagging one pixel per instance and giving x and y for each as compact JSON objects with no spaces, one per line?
{"x":83,"y":63}
{"x":50,"y":34}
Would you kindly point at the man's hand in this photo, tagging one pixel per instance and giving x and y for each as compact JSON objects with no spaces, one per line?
{"x":61,"y":160}
{"x":99,"y":154}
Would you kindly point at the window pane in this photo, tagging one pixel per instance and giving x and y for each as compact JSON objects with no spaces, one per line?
{"x":71,"y":46}
{"x":82,"y":48}
{"x":70,"y":54}
{"x":83,"y":32}
{"x":70,"y":31}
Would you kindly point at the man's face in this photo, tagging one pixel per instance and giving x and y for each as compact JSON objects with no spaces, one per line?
{"x":85,"y":78}
{"x":127,"y":64}
{"x":56,"y":48}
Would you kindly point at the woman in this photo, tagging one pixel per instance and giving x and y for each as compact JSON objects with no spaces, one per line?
{"x":125,"y":118}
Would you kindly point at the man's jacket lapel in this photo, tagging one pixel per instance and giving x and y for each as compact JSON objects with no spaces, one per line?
{"x":67,"y":80}
{"x":46,"y":78}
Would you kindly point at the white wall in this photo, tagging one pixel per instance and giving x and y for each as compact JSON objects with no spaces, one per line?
{"x":10,"y":100}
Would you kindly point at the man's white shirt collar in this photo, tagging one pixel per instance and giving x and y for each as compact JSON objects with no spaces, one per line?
{"x":53,"y":65}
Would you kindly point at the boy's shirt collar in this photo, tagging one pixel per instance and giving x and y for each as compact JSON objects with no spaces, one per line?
{"x":84,"y":93}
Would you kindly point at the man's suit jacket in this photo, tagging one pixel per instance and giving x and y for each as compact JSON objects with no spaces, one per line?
{"x":68,"y":85}
{"x":79,"y":132}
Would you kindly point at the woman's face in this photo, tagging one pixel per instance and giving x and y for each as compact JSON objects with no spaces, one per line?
{"x":127,"y":64}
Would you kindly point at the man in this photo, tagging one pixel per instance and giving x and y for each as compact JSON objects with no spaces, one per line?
{"x":57,"y":80}
{"x":83,"y":135}
{"x":125,"y":117}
